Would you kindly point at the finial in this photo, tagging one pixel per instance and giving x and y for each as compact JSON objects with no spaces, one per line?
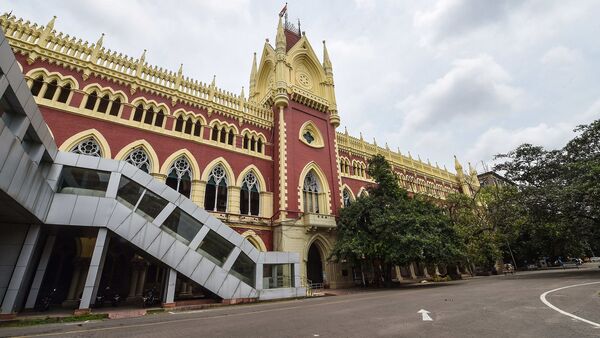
{"x":280,"y":41}
{"x":180,"y":71}
{"x":457,"y":165}
{"x":326,"y":61}
{"x":50,"y":24}
{"x":399,"y":152}
{"x":345,"y":130}
{"x":409,"y":155}
{"x":143,"y":57}
{"x":361,"y":137}
{"x":386,"y":146}
{"x":100,"y":41}
{"x":242,"y":94}
{"x":374,"y":141}
{"x":213,"y":80}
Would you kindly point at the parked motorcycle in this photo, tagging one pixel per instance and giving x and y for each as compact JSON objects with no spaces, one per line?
{"x":44,"y":303}
{"x":150,"y":298}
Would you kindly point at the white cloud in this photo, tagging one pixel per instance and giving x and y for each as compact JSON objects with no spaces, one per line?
{"x":561,"y":56}
{"x":500,"y":140}
{"x":476,"y":87}
{"x":452,"y":18}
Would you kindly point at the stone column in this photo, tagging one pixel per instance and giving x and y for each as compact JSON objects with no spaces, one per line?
{"x":18,"y":280}
{"x":143,"y":268}
{"x":133,"y":284}
{"x":169,"y":299}
{"x":40,"y":272}
{"x":74,"y":282}
{"x":92,"y":281}
{"x":233,"y":205}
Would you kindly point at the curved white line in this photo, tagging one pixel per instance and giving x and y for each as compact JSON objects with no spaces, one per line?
{"x":543,"y":299}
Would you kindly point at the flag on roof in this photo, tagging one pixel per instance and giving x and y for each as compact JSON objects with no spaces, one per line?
{"x":283,"y":10}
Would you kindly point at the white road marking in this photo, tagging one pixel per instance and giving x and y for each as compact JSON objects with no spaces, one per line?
{"x":185,"y":312}
{"x":425,"y":314}
{"x":543,"y":299}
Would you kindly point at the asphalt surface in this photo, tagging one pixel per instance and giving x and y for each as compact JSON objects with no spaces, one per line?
{"x":496,"y":306}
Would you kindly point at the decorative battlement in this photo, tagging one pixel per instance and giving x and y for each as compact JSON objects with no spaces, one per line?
{"x":45,"y":43}
{"x":361,"y":147}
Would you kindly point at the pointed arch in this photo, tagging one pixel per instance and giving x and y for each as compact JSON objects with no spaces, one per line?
{"x":325,"y":203}
{"x":46,"y":74}
{"x":322,"y":243}
{"x":219,"y":160}
{"x":345,"y":187}
{"x":362,"y":191}
{"x":126,"y":150}
{"x":113,"y":93}
{"x":255,"y":240}
{"x":73,"y":140}
{"x":261,"y":181}
{"x":164,"y":169}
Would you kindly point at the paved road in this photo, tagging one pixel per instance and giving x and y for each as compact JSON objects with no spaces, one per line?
{"x":497,"y":306}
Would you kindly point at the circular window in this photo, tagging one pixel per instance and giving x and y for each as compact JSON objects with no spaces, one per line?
{"x":304,"y":80}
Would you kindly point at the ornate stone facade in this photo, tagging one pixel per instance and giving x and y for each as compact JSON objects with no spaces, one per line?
{"x":180,"y":130}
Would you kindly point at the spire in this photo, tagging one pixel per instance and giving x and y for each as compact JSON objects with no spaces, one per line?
{"x":242,"y":94}
{"x":253,"y":72}
{"x":326,"y":62}
{"x":50,"y":25}
{"x":180,"y":71}
{"x":472,"y":170}
{"x":99,"y":42}
{"x":280,"y":42}
{"x":143,"y":57}
{"x":346,"y":130}
{"x":457,"y":165}
{"x":214,"y":81}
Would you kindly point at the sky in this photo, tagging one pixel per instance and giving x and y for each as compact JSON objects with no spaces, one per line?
{"x":435,"y":78}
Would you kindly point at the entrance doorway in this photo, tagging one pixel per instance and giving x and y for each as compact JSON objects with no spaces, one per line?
{"x":314,"y":265}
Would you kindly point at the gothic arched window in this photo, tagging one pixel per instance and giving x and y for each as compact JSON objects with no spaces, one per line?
{"x":38,"y":83}
{"x":347,"y":197}
{"x":216,"y":190}
{"x":52,"y":86}
{"x":250,"y":195}
{"x":179,"y":176}
{"x":63,"y":97}
{"x":91,"y":101}
{"x":311,"y":192}
{"x":139,"y":158}
{"x":89,"y":146}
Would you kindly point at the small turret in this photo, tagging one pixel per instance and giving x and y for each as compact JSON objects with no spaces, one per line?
{"x":280,"y":41}
{"x":281,"y":69}
{"x":253,"y":77}
{"x":326,"y":62}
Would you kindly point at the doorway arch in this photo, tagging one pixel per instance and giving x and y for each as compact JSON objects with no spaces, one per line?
{"x":314,"y":264}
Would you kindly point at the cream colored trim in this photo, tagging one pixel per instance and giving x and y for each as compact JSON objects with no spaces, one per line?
{"x":69,"y":143}
{"x":219,"y":160}
{"x":326,"y":193}
{"x":145,"y":127}
{"x":322,"y":243}
{"x":345,"y":186}
{"x":126,"y":150}
{"x":255,"y":240}
{"x":164,"y":169}
{"x":259,"y":176}
{"x":33,"y":73}
{"x":311,"y":127}
{"x":283,"y":188}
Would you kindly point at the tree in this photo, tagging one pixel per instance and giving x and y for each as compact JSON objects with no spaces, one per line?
{"x":560,"y":190}
{"x":387,"y":227}
{"x":486,"y":221}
